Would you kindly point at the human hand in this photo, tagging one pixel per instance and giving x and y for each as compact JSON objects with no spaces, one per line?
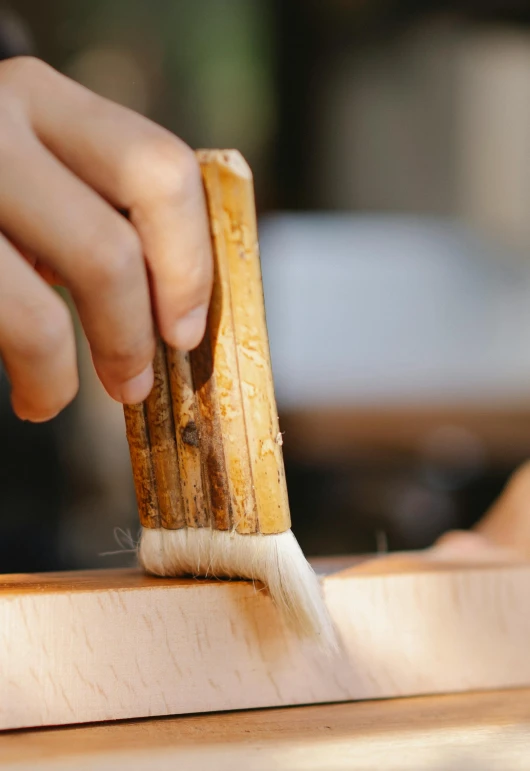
{"x":69,"y":160}
{"x":502,"y":534}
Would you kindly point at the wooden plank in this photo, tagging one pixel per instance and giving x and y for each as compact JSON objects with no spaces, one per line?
{"x":486,"y":731}
{"x":117,"y":644}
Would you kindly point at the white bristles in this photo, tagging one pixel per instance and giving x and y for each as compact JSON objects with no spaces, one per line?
{"x":275,"y":560}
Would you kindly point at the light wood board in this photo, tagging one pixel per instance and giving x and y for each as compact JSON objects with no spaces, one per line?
{"x":107,"y":645}
{"x":477,"y":732}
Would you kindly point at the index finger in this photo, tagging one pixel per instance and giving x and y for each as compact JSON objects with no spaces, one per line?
{"x":142,"y":168}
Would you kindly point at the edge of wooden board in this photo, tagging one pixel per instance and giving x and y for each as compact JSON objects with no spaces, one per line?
{"x":118,"y":579}
{"x":105,"y":645}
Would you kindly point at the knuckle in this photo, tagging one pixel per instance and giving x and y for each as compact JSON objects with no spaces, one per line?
{"x":18,"y":77}
{"x":113,"y":258}
{"x":47,"y":329}
{"x":174,"y":171}
{"x":53,"y":333}
{"x":23,"y":69}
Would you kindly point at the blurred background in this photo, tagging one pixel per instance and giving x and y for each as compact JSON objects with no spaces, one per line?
{"x":390,"y":143}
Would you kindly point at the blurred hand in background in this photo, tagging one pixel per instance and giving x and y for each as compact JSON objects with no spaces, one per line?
{"x":503,"y":533}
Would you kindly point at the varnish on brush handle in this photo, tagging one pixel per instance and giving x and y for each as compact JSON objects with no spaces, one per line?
{"x":206,"y":444}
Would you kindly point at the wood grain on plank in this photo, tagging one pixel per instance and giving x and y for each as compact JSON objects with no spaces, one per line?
{"x":117,"y":644}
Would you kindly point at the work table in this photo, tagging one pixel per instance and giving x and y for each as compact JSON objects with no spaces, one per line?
{"x":478,"y":731}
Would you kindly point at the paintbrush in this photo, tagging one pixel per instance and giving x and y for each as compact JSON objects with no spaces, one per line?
{"x":206,"y":447}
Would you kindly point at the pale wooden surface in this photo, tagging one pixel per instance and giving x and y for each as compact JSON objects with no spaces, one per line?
{"x":117,"y":644}
{"x":477,"y":732}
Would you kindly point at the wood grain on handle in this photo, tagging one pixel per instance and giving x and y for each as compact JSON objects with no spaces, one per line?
{"x":214,"y":472}
{"x":142,"y":464}
{"x":226,"y":404}
{"x":242,"y":368}
{"x":184,"y":403}
{"x":163,"y":445}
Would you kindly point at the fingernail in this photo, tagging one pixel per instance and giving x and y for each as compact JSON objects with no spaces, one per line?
{"x":137,"y":388}
{"x":189,"y":330}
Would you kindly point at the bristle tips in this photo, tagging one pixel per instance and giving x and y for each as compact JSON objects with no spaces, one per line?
{"x":275,"y":560}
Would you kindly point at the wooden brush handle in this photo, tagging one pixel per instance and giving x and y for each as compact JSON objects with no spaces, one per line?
{"x":227,"y":447}
{"x":245,"y":402}
{"x":152,"y":445}
{"x":142,"y":464}
{"x":163,"y":445}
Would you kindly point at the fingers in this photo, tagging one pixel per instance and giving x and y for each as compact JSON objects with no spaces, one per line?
{"x":96,"y":252}
{"x":174,"y":229}
{"x":470,"y":547}
{"x":37,"y":342}
{"x":142,"y":168}
{"x":507,"y":523}
{"x":48,"y":274}
{"x":503,"y":534}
